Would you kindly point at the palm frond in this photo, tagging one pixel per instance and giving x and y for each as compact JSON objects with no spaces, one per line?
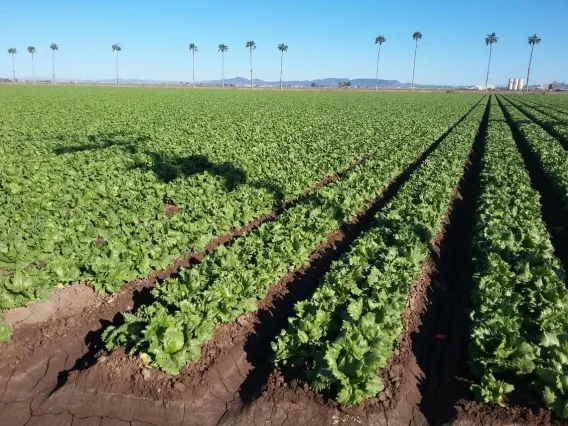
{"x":491,"y":39}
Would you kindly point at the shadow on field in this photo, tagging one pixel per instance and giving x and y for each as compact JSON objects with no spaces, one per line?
{"x":169,"y":168}
{"x":104,"y":140}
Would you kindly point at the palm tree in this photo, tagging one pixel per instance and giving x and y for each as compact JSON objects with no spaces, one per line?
{"x":32,"y":51}
{"x":379,"y":40}
{"x":283,"y":48}
{"x":416,"y":36}
{"x":53,"y":47}
{"x":12,"y":51}
{"x":532,"y":41}
{"x":251,"y":45}
{"x":116,"y":48}
{"x":223,"y":48}
{"x":489,"y":41}
{"x":193,"y":49}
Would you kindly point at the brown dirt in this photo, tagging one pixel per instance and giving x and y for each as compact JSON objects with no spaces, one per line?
{"x":64,"y":302}
{"x":446,"y":392}
{"x":210,"y":389}
{"x":170,"y":209}
{"x":291,"y":399}
{"x":44,"y":349}
{"x":473,"y":413}
{"x":46,"y":315}
{"x":234,"y":382}
{"x":523,"y":408}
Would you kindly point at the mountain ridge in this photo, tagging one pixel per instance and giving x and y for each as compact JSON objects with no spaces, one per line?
{"x":243,"y":81}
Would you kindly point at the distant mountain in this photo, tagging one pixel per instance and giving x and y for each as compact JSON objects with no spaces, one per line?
{"x":557,"y":85}
{"x":325,"y":82}
{"x":242,"y":81}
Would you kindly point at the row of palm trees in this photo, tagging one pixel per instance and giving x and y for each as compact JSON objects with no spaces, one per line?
{"x":490,"y":40}
{"x":251,"y":45}
{"x":381,"y":39}
{"x":32,"y":51}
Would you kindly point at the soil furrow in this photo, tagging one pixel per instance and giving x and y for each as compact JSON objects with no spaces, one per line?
{"x":116,"y":384}
{"x":542,"y":108}
{"x":555,"y":108}
{"x":440,"y":345}
{"x":272,"y":321}
{"x":465,"y":411}
{"x":554,"y":214}
{"x":90,"y":310}
{"x":400,"y":402}
{"x":83,"y":297}
{"x":547,"y":126}
{"x":68,"y":341}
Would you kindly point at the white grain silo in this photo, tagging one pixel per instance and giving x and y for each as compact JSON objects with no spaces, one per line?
{"x":511,"y":82}
{"x":520,"y":85}
{"x":515,"y":84}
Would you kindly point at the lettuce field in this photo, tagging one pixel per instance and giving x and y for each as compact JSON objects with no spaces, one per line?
{"x":206,"y":257}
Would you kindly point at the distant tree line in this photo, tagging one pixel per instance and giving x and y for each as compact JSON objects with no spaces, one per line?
{"x":490,"y":40}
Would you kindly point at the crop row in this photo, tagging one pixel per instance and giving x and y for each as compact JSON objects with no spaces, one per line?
{"x":342,"y":335}
{"x":171,"y":331}
{"x":541,"y":107}
{"x":556,"y":126}
{"x":84,"y":186}
{"x":549,"y":152}
{"x":558,"y":104}
{"x":519,"y":304}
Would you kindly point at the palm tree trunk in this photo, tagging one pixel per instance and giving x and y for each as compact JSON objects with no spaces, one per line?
{"x":378,"y":56}
{"x":223,"y":68}
{"x":414,"y":66}
{"x":251,"y":68}
{"x":13,"y":68}
{"x":529,"y":70}
{"x":488,"y":65}
{"x":117,"y":67}
{"x":193,"y":68}
{"x":281,"y":60}
{"x":33,"y":68}
{"x":53,"y":66}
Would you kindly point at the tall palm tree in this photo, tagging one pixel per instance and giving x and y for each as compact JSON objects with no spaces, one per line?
{"x":193,"y":49}
{"x":489,"y":41}
{"x":116,"y":48}
{"x":12,"y":51}
{"x":32,"y":51}
{"x":223,"y":48}
{"x":53,"y":47}
{"x":283,"y":48}
{"x":416,"y":36}
{"x":379,"y":40}
{"x":251,"y":45}
{"x":532,"y":41}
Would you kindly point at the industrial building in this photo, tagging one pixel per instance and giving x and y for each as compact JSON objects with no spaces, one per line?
{"x":516,"y":84}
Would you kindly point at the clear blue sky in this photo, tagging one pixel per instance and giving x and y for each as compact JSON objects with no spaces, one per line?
{"x":333,"y":38}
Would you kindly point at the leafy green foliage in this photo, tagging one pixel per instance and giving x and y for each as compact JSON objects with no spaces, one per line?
{"x":5,"y":332}
{"x":551,"y":120}
{"x":350,"y":326}
{"x":231,"y":281}
{"x":520,"y":304}
{"x":550,"y":153}
{"x":86,"y":172}
{"x":491,"y":390}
